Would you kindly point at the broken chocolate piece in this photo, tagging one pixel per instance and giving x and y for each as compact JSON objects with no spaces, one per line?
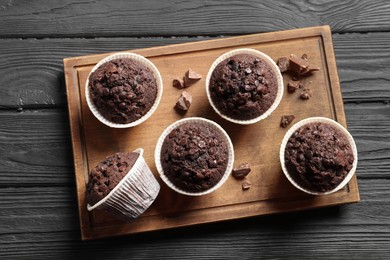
{"x":283,"y":64}
{"x":184,"y":101}
{"x":306,"y":93}
{"x":286,"y":120}
{"x":292,"y":85}
{"x":246,"y":185}
{"x":300,"y":65}
{"x":242,"y":171}
{"x":190,"y":77}
{"x":177,"y":83}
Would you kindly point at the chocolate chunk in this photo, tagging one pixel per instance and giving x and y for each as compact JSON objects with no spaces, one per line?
{"x":292,"y":85}
{"x":248,"y":70}
{"x":295,"y":77}
{"x":190,"y":77}
{"x":241,"y":171}
{"x":184,"y":102}
{"x":286,"y":120}
{"x":283,"y":64}
{"x":246,"y":185}
{"x":177,"y":83}
{"x":306,"y":93}
{"x":300,"y":65}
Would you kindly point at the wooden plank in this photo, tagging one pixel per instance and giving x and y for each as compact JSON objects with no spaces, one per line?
{"x":43,"y":134}
{"x":35,"y":148}
{"x":47,"y":227}
{"x":156,"y":18}
{"x":32,"y":70}
{"x":33,"y":73}
{"x":274,"y":193}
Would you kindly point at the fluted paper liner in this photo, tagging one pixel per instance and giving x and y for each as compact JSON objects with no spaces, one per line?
{"x":133,"y":194}
{"x":262,"y":56}
{"x":195,"y":120}
{"x":328,"y":122}
{"x":143,"y":61}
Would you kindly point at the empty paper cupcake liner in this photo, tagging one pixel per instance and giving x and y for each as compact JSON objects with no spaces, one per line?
{"x":133,"y":194}
{"x":143,"y":61}
{"x":324,"y":121}
{"x":196,"y":120}
{"x":262,"y":56}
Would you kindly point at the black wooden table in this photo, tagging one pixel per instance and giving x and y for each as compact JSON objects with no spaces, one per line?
{"x":38,"y":208}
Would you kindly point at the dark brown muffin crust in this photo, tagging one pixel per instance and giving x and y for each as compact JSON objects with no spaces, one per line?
{"x":194,"y":157}
{"x":243,"y":87}
{"x":123,"y":90}
{"x":107,"y":174}
{"x":318,"y":157}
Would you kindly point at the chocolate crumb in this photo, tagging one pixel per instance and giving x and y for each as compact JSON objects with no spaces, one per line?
{"x":190,"y":77}
{"x":19,"y":109}
{"x":306,"y":93}
{"x":301,"y":85}
{"x":304,"y":56}
{"x":184,"y":102}
{"x":241,"y":171}
{"x":292,"y":85}
{"x":283,"y":64}
{"x":286,"y":120}
{"x":246,"y":185}
{"x":177,"y":83}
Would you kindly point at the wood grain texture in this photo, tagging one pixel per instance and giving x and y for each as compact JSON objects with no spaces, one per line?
{"x":38,"y":212}
{"x":32,"y":70}
{"x":271,"y":193}
{"x":29,"y":139}
{"x":51,"y":231}
{"x":100,"y":18}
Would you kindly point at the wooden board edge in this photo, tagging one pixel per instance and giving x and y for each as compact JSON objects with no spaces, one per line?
{"x":196,"y":46}
{"x":283,"y":207}
{"x":337,"y":96}
{"x":74,"y":122}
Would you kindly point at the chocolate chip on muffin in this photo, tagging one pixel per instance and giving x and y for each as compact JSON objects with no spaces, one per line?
{"x":104,"y":177}
{"x":123,"y":90}
{"x":243,"y":87}
{"x":318,"y":157}
{"x":194,"y":157}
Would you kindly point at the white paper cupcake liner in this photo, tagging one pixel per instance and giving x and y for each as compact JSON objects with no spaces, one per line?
{"x":133,"y":194}
{"x":143,"y":61}
{"x":196,"y":120}
{"x":328,"y":122}
{"x":262,"y":56}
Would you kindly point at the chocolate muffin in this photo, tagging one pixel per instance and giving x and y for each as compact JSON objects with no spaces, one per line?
{"x":318,"y":157}
{"x":243,"y":87}
{"x":123,"y":90}
{"x":194,"y":157}
{"x":107,"y":174}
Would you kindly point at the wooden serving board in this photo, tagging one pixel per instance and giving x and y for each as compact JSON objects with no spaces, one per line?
{"x":257,"y":144}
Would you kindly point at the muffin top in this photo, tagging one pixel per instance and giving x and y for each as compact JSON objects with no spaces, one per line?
{"x":243,"y":87}
{"x":123,"y":90}
{"x":318,"y":157}
{"x":194,"y":157}
{"x":107,"y":174}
